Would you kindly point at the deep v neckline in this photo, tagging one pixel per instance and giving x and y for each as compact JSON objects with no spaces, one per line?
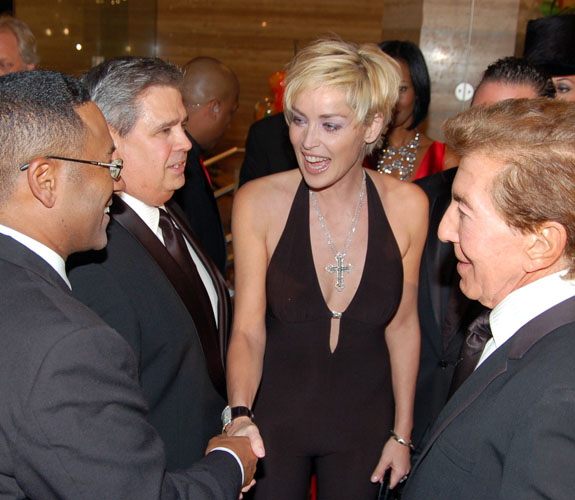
{"x":370,"y":191}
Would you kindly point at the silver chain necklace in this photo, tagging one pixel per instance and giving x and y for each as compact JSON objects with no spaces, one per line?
{"x":400,"y":160}
{"x":339,"y":268}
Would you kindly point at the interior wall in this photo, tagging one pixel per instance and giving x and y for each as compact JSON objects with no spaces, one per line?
{"x":257,"y":38}
{"x":458,"y":37}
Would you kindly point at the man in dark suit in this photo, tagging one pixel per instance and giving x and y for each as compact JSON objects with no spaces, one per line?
{"x":173,"y":309}
{"x":210,"y":92}
{"x":509,"y":430}
{"x":268,"y":149}
{"x":72,"y":420}
{"x":444,"y":312}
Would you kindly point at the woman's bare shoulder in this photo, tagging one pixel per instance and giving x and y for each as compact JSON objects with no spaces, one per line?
{"x":394,"y":192}
{"x":272,"y":189}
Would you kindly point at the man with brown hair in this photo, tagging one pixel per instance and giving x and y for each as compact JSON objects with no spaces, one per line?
{"x":509,"y":431}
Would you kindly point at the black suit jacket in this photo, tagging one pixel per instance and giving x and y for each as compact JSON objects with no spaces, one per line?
{"x":509,"y":431}
{"x":72,"y":416}
{"x":197,"y":200}
{"x":268,"y":149}
{"x":127,"y":287}
{"x":443,"y":329}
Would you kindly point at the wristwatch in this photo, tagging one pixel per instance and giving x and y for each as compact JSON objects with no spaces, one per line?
{"x":237,"y":411}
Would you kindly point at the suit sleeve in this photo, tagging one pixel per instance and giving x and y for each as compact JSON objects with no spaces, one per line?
{"x":255,"y":161}
{"x":84,"y":432}
{"x":539,"y":463}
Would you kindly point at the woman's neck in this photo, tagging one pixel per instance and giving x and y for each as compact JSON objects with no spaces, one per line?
{"x":398,"y":137}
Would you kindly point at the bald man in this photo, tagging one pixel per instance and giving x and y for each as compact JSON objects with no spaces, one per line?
{"x":211,"y":92}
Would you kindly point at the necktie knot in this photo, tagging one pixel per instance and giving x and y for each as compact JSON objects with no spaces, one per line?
{"x":478,"y":333}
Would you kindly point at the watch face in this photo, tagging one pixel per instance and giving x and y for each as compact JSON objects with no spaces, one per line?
{"x":226,"y":416}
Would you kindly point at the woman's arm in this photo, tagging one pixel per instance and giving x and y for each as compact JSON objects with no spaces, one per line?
{"x":409,"y":218}
{"x":247,"y":343}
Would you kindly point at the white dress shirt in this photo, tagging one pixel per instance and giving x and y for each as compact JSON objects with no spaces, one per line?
{"x":151,"y":218}
{"x":524,"y":304}
{"x":40,"y":249}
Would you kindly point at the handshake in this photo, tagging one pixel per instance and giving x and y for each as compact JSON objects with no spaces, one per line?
{"x":241,"y":446}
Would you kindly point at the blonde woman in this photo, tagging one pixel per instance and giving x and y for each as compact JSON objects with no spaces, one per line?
{"x":326,"y":333}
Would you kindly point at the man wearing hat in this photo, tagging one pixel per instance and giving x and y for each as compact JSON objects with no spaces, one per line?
{"x":549,"y":43}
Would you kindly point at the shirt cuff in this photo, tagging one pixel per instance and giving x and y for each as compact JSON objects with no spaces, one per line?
{"x":233,"y":454}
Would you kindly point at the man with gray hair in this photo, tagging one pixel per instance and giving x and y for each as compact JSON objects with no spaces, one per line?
{"x":153,"y":283}
{"x":17,"y":46}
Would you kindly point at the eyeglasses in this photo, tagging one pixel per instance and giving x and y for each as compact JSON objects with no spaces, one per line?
{"x":115,"y":167}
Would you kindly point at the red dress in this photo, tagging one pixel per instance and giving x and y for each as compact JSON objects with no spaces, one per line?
{"x":433,"y":161}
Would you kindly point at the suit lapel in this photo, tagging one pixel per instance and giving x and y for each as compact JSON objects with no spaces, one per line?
{"x":497,"y":364}
{"x":130,"y":221}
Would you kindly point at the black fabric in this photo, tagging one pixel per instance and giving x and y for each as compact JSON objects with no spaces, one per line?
{"x":197,"y":200}
{"x":73,"y":420}
{"x":137,"y":288}
{"x":268,"y":149}
{"x":478,"y":334}
{"x":315,"y":406}
{"x":509,"y":431}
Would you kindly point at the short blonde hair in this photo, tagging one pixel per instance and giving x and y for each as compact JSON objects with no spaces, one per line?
{"x":369,"y":78}
{"x":535,"y":140}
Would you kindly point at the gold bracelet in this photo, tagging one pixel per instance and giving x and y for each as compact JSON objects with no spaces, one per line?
{"x":402,"y":441}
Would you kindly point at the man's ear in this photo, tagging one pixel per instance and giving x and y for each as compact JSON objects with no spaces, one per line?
{"x":546,"y":247}
{"x":214,"y":106}
{"x":43,"y":179}
{"x":374,"y":129}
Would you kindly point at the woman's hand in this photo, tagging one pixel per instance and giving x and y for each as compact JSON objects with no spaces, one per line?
{"x":396,"y":456}
{"x":243,"y":426}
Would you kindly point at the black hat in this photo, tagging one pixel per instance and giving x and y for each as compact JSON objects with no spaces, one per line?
{"x":550,"y":44}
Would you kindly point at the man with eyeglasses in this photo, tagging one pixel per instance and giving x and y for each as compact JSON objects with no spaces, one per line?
{"x":154,"y":284}
{"x":73,"y":420}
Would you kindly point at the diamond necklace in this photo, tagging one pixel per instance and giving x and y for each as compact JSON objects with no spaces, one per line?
{"x":339,"y":268}
{"x":402,"y":159}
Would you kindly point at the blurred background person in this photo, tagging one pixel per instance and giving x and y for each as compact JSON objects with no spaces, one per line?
{"x":406,"y":152}
{"x":211,"y":92}
{"x":17,"y":46}
{"x":327,"y":263}
{"x":549,"y":43}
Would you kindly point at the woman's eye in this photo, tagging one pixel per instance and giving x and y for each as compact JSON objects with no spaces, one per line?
{"x":403,"y":88}
{"x":331,"y":127}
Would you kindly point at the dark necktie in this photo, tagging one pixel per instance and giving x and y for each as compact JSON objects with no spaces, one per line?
{"x":202,"y":314}
{"x":478,"y":334}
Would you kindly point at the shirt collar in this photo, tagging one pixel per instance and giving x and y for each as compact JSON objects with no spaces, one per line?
{"x":528,"y":302}
{"x":51,"y":257}
{"x":147,"y":213}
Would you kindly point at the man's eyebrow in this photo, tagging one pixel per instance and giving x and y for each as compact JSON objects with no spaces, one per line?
{"x":169,"y":124}
{"x":460,"y":199}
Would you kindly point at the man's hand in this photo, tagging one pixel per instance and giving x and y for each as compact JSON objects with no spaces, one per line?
{"x":242,"y":448}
